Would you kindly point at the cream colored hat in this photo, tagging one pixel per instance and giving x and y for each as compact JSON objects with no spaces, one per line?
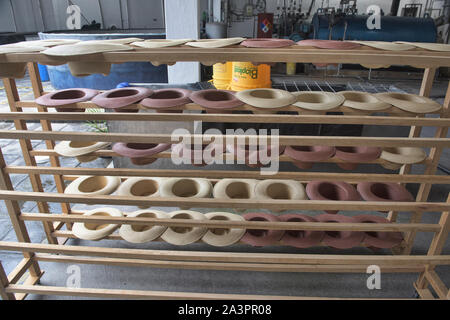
{"x":385,"y":45}
{"x":363,"y":101}
{"x":85,"y":68}
{"x":160,"y":43}
{"x":15,"y":69}
{"x":428,"y":45}
{"x":215,"y":43}
{"x":94,"y":230}
{"x":143,"y":233}
{"x":409,"y":102}
{"x":140,"y":187}
{"x":317,"y":100}
{"x":223,"y":237}
{"x":273,"y":189}
{"x":239,"y":189}
{"x":79,"y":149}
{"x":186,"y":188}
{"x":266,"y":98}
{"x":47,"y":42}
{"x":114,"y":41}
{"x":184,"y":235}
{"x":396,"y":157}
{"x":93,"y":185}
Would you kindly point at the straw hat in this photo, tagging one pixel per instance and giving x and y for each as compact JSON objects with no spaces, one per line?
{"x":384,"y":191}
{"x":377,"y":239}
{"x":139,"y":233}
{"x":385,"y":45}
{"x":93,"y":185}
{"x":140,"y":187}
{"x":317,"y":100}
{"x":121,"y":97}
{"x":47,"y":42}
{"x":235,"y":189}
{"x":17,"y":69}
{"x":331,"y":191}
{"x":223,"y":237}
{"x":340,"y":239}
{"x":185,"y":188}
{"x":259,"y":237}
{"x":167,"y":98}
{"x":215,"y":43}
{"x":363,"y":101}
{"x":95,"y":230}
{"x":267,"y":43}
{"x":83,"y":48}
{"x":66,"y":97}
{"x":276,"y":189}
{"x":300,"y":238}
{"x":79,"y":149}
{"x":428,"y":45}
{"x":216,"y":99}
{"x":409,"y":102}
{"x":160,"y":43}
{"x":352,"y":156}
{"x":305,"y":156}
{"x":184,"y":235}
{"x":266,"y":98}
{"x":396,"y":157}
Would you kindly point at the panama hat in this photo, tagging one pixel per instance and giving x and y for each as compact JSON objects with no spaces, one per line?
{"x":305,"y":156}
{"x":140,"y":187}
{"x":377,"y":239}
{"x":396,"y":157}
{"x":216,"y":100}
{"x":360,"y":100}
{"x":276,"y":189}
{"x":221,"y":237}
{"x":266,"y":98}
{"x":386,"y":45}
{"x":140,"y":153}
{"x":65,"y":97}
{"x":384,"y":191}
{"x":328,"y":44}
{"x":215,"y":43}
{"x":186,"y":188}
{"x":79,"y":149}
{"x":184,"y":235}
{"x":15,"y":69}
{"x":428,"y":45}
{"x":85,"y":68}
{"x":352,"y":156}
{"x":340,"y":239}
{"x":331,"y":190}
{"x":267,"y":43}
{"x":139,"y":233}
{"x":96,"y":230}
{"x":259,"y":237}
{"x":113,"y":41}
{"x":409,"y":102}
{"x":300,"y":238}
{"x":162,"y":99}
{"x":160,"y":43}
{"x":238,"y":189}
{"x":121,"y":97}
{"x":47,"y":42}
{"x":93,"y":185}
{"x":317,"y":100}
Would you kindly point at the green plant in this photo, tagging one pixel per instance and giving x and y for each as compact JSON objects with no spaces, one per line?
{"x":98,"y":126}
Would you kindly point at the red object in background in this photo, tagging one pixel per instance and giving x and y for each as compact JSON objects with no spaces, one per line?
{"x":265,"y":25}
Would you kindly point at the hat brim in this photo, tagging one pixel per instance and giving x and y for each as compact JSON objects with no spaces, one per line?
{"x":143,"y":234}
{"x":96,"y":231}
{"x":231,"y":236}
{"x":188,"y":235}
{"x":259,"y":98}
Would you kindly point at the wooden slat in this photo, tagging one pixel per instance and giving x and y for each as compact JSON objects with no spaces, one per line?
{"x":437,"y":284}
{"x":20,"y":270}
{"x":29,"y":281}
{"x":4,"y":283}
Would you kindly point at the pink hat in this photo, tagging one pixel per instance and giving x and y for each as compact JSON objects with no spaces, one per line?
{"x":300,"y":238}
{"x":354,"y":155}
{"x":267,"y":43}
{"x":260,"y":238}
{"x":139,"y":152}
{"x":331,"y":190}
{"x":329,"y":44}
{"x":384,"y":240}
{"x":65,"y":97}
{"x":216,"y":99}
{"x":340,"y":239}
{"x":167,"y":98}
{"x":121,"y":97}
{"x":306,"y":156}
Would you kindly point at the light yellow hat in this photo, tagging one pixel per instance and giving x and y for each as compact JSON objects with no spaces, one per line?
{"x":184,"y":235}
{"x":93,"y":230}
{"x":79,"y":149}
{"x":223,"y":237}
{"x":143,"y":233}
{"x":409,"y":102}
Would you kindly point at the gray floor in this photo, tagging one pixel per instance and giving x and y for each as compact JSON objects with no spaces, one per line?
{"x":310,"y":284}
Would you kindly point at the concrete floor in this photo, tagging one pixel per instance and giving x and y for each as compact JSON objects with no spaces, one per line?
{"x":307,"y":284}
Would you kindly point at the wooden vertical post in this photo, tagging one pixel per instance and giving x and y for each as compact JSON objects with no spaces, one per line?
{"x":13,"y":96}
{"x":3,"y":284}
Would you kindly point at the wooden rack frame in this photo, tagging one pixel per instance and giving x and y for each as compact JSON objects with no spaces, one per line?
{"x":12,"y":287}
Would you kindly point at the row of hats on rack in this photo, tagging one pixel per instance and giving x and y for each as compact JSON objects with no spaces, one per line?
{"x":238,"y":189}
{"x":262,"y":100}
{"x":304,"y":157}
{"x":220,"y":237}
{"x":71,"y":49}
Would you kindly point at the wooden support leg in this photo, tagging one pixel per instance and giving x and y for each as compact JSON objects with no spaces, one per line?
{"x":3,"y":284}
{"x":13,"y":96}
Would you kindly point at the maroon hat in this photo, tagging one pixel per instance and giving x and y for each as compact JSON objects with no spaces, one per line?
{"x":340,"y":239}
{"x":354,"y":155}
{"x":260,"y":238}
{"x":306,"y":156}
{"x":65,"y":97}
{"x":139,"y":152}
{"x":384,"y":191}
{"x":167,"y":98}
{"x":300,"y":238}
{"x":121,"y":97}
{"x":331,"y":190}
{"x":384,"y":240}
{"x":267,"y":43}
{"x":216,"y":99}
{"x":328,"y":44}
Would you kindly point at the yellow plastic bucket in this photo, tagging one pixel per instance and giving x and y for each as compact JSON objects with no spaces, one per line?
{"x":222,"y":75}
{"x":248,"y":76}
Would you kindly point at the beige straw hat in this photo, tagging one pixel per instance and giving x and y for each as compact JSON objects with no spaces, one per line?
{"x":428,"y":45}
{"x":275,"y":189}
{"x":160,"y":43}
{"x":93,"y":185}
{"x":235,"y":189}
{"x":139,"y":233}
{"x":184,"y":235}
{"x":15,"y":69}
{"x":266,"y":98}
{"x":114,"y":41}
{"x":215,"y":43}
{"x":385,"y":45}
{"x":47,"y":42}
{"x":317,"y":100}
{"x":95,"y":230}
{"x":140,"y":187}
{"x":223,"y":237}
{"x":360,"y":100}
{"x":409,"y":102}
{"x":186,"y":188}
{"x":85,"y":68}
{"x":396,"y":157}
{"x":79,"y":149}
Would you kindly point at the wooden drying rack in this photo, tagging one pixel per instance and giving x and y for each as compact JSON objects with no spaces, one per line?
{"x":24,"y":279}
